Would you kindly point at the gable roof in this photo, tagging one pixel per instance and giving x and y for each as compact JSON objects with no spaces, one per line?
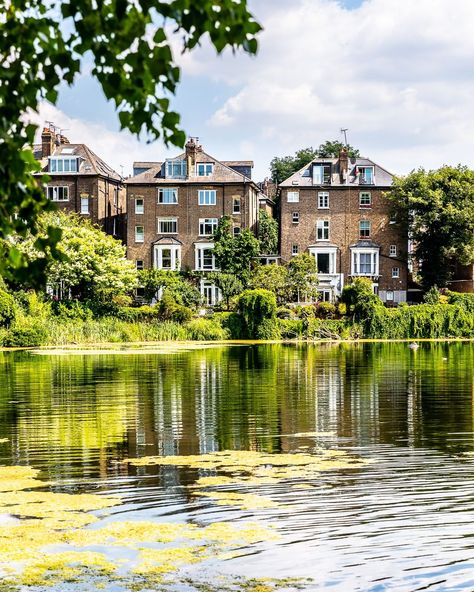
{"x":90,"y":163}
{"x":303,"y":177}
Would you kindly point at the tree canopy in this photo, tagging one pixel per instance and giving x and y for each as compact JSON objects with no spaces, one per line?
{"x":438,"y":206}
{"x":127,"y":47}
{"x":267,"y":233}
{"x":282,"y":167}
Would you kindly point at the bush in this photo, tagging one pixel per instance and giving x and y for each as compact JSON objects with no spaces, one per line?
{"x":26,"y":336}
{"x":232,"y":322}
{"x":8,"y":309}
{"x":284,"y":313}
{"x":206,"y":330}
{"x":305,"y":312}
{"x":341,"y":309}
{"x":74,"y":310}
{"x":360,"y":299}
{"x":325,"y":310}
{"x":258,"y":307}
{"x":170,"y":310}
{"x":432,"y":296}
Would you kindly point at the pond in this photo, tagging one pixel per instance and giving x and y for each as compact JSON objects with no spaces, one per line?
{"x":252,"y":467}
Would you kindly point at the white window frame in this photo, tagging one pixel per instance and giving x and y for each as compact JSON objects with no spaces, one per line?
{"x":203,"y":222}
{"x":294,"y":250}
{"x":368,"y":228}
{"x":206,"y":167}
{"x":395,"y":273}
{"x":139,"y":264}
{"x":139,"y":234}
{"x":85,"y":206}
{"x":162,"y":191}
{"x":393,"y":251}
{"x":362,"y":178}
{"x":171,"y":169}
{"x":322,"y":228}
{"x":332,"y":252}
{"x":365,"y":195}
{"x":236,"y":230}
{"x":356,"y":253}
{"x":199,"y":257}
{"x":59,"y":164}
{"x":295,"y":217}
{"x":293,"y":196}
{"x":210,"y":293}
{"x":236,"y":202}
{"x":52,"y":192}
{"x":207,"y":197}
{"x":175,"y":257}
{"x":323,"y":200}
{"x":169,"y":220}
{"x":138,"y":209}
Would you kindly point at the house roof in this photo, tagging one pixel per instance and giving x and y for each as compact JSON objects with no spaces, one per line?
{"x":222,"y":173}
{"x":90,"y":163}
{"x":303,"y":177}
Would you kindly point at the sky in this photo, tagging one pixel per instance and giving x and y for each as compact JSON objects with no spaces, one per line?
{"x":396,"y":73}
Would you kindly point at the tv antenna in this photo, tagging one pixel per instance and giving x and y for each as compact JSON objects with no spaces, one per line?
{"x":344,"y":131}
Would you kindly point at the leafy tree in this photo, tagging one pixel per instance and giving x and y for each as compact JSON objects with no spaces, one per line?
{"x":302,"y":277}
{"x":438,"y":206}
{"x":360,"y":299}
{"x":181,"y":290}
{"x":127,"y":46}
{"x":228,"y":284}
{"x":234,"y":254}
{"x":273,"y":278}
{"x":267,"y":233}
{"x":282,"y":167}
{"x":93,"y":264}
{"x":258,"y":309}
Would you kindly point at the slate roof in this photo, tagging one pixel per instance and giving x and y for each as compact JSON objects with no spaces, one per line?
{"x":90,"y":163}
{"x":303,"y":177}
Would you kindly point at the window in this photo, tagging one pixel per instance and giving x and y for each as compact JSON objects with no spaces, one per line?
{"x":322,"y":262}
{"x":236,"y":205}
{"x":389,"y":296}
{"x":321,"y":174}
{"x":168,"y":195}
{"x":295,"y":216}
{"x":236,"y":230}
{"x":365,"y":262}
{"x":207,"y":197}
{"x":84,"y":205}
{"x":207,"y":226}
{"x":210,"y":293}
{"x":324,"y":295}
{"x":139,"y":234}
{"x":294,"y":250}
{"x":393,"y":251}
{"x":366,"y":175}
{"x":293,"y":196}
{"x":395,"y":272}
{"x":167,"y":225}
{"x":364,"y":229}
{"x":167,"y":256}
{"x":325,"y":259}
{"x":204,"y":257}
{"x":323,"y":200}
{"x":322,"y":230}
{"x":139,"y":264}
{"x":365,"y":199}
{"x":58,"y":193}
{"x":63,"y":165}
{"x":175,"y":169}
{"x":204,"y":169}
{"x":139,"y":205}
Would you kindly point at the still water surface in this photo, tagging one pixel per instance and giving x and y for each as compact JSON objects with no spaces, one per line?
{"x":404,"y":521}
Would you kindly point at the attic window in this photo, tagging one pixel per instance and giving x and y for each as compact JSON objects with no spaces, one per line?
{"x":365,"y":175}
{"x":204,"y":169}
{"x":321,"y":174}
{"x":63,"y":165}
{"x":175,"y":169}
{"x":67,"y":151}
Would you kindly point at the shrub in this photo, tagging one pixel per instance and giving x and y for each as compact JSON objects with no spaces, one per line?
{"x":30,"y":335}
{"x":284,"y":313}
{"x":305,"y":312}
{"x":360,"y":299}
{"x":341,"y":309}
{"x":74,"y":310}
{"x":290,"y":328}
{"x":206,"y":330}
{"x":257,"y":307}
{"x":232,"y":322}
{"x":325,"y":310}
{"x":432,"y":296}
{"x":170,"y":310}
{"x":8,"y":309}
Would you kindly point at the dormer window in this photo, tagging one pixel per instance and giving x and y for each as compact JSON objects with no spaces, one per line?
{"x":204,"y":169}
{"x":321,"y":174}
{"x":366,"y":175}
{"x":58,"y":164}
{"x":175,"y":169}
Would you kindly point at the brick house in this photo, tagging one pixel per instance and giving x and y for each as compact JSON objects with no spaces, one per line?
{"x":82,"y":182}
{"x":174,"y":208}
{"x":335,"y":209}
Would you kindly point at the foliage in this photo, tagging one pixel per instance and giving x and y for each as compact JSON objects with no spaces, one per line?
{"x":127,"y":47}
{"x":232,"y":322}
{"x":258,"y":309}
{"x":267,"y":233}
{"x":228,"y":284}
{"x":271,"y":277}
{"x":26,"y":334}
{"x":93,"y":264}
{"x":438,"y":206}
{"x":234,"y":253}
{"x":206,"y":330}
{"x":282,"y":167}
{"x":182,"y":290}
{"x":432,"y":296}
{"x":170,"y":310}
{"x":302,"y":278}
{"x":325,"y":310}
{"x":284,"y":313}
{"x":360,"y":299}
{"x":8,"y":309}
{"x":74,"y":310}
{"x":466,"y":301}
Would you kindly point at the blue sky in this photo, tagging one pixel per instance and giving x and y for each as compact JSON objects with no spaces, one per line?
{"x":391,"y":71}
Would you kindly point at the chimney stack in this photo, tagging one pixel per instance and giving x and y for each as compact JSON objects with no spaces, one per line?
{"x":47,"y":142}
{"x":343,"y":163}
{"x":192,"y":149}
